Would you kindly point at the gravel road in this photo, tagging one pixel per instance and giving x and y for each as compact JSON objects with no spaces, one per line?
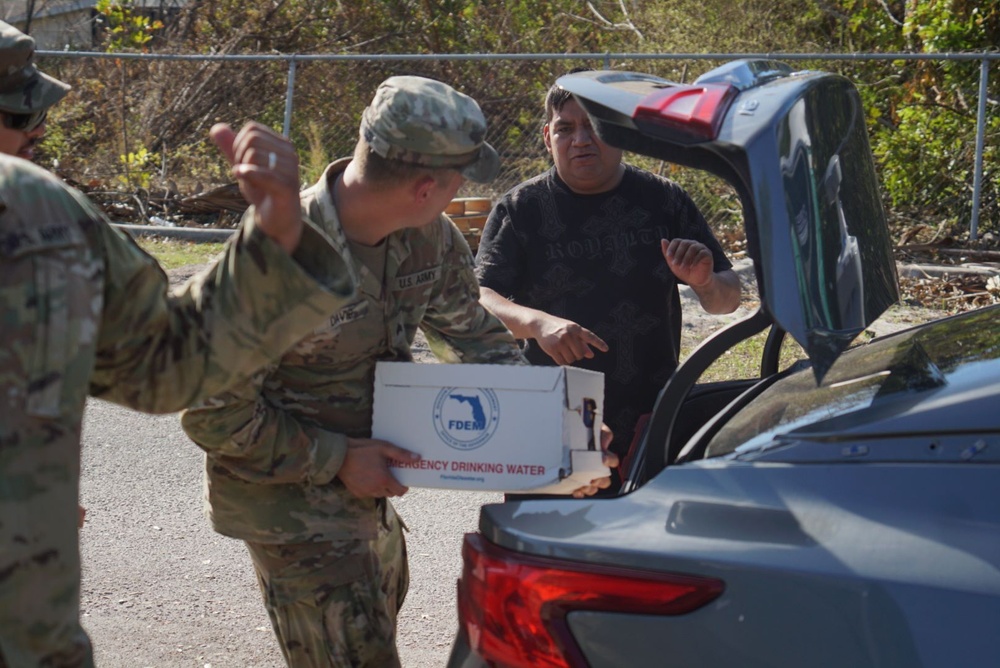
{"x":160,"y":588}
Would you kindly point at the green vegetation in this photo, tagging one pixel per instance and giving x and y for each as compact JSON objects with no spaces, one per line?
{"x":743,"y":360}
{"x":172,"y":253}
{"x":139,"y":166}
{"x":921,"y":115}
{"x":126,"y":28}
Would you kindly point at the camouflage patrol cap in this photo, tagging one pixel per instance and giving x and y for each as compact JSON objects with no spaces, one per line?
{"x":23,"y":89}
{"x":426,"y":122}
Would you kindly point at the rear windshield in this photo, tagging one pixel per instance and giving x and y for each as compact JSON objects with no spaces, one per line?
{"x":954,"y":353}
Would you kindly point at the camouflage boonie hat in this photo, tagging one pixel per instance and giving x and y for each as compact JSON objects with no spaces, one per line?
{"x":23,"y":89}
{"x":426,"y":122}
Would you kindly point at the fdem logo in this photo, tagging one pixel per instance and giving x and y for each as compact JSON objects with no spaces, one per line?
{"x":465,"y":418}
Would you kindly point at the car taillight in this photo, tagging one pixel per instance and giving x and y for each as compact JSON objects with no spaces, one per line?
{"x":513,"y":606}
{"x":691,"y":110}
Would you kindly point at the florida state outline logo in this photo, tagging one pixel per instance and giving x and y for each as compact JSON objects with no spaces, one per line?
{"x":466,"y":418}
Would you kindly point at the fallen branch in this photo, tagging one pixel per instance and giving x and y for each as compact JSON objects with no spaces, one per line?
{"x":968,"y":295}
{"x":963,"y":252}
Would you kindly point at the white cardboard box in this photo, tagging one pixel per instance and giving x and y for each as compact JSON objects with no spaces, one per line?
{"x":491,"y":427}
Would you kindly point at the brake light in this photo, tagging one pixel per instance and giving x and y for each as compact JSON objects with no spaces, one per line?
{"x":513,"y":606}
{"x":694,"y":110}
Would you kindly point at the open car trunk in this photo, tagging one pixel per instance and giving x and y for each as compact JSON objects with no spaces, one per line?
{"x":815,"y":225}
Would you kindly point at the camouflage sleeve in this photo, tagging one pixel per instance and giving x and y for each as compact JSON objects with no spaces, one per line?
{"x":243,"y":432}
{"x":160,"y":351}
{"x":457,"y":327}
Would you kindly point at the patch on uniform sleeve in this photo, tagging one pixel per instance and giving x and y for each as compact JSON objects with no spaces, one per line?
{"x":18,"y":240}
{"x":415,"y":280}
{"x":349,"y":313}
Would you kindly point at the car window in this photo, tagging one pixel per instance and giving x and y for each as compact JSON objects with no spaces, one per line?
{"x":953,"y":353}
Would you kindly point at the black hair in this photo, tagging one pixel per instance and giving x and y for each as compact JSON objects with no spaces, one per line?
{"x":557,"y":98}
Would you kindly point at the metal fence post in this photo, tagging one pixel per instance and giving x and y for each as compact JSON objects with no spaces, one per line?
{"x":977,"y":178}
{"x":289,"y":94}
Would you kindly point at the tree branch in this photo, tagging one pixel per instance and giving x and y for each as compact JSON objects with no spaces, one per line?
{"x":892,"y":17}
{"x":626,"y":25}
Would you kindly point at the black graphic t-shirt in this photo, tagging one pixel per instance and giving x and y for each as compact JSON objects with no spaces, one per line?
{"x":596,"y":260}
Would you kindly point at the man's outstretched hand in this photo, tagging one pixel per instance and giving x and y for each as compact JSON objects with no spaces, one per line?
{"x":690,"y":261}
{"x":565,"y":341}
{"x":267,"y":168}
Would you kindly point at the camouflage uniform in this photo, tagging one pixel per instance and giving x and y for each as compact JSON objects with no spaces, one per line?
{"x":83,"y":310}
{"x":425,"y":122}
{"x":332,"y":566}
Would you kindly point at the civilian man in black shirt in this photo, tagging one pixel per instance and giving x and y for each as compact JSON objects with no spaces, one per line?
{"x":583,"y":263}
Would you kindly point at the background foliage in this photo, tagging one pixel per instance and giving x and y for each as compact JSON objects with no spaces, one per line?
{"x":141,"y":125}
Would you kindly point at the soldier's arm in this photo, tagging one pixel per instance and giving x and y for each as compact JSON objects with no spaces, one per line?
{"x":277,"y":280}
{"x":160,"y":351}
{"x":253,"y":439}
{"x":458,"y":328}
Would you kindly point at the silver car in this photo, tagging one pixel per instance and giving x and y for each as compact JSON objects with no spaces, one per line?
{"x":844,"y":512}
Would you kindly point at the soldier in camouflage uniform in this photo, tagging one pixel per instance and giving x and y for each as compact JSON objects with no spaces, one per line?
{"x":83,"y":310}
{"x":23,"y":120}
{"x":291,"y":468}
{"x":21,"y":133}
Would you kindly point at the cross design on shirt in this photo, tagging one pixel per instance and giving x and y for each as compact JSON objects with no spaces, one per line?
{"x":663,"y":273}
{"x":552,"y":226}
{"x":614,"y":215}
{"x":626,"y":323}
{"x":614,"y":225}
{"x":557,"y":282}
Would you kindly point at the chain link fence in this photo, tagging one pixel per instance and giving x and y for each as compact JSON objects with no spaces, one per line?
{"x":144,"y":120}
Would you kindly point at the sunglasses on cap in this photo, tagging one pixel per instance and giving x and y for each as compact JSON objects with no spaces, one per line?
{"x":24,"y":122}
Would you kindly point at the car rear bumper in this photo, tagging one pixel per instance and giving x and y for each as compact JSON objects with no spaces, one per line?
{"x":462,"y":655}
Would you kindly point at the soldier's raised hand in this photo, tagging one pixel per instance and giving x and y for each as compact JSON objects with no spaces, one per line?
{"x":267,"y":168}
